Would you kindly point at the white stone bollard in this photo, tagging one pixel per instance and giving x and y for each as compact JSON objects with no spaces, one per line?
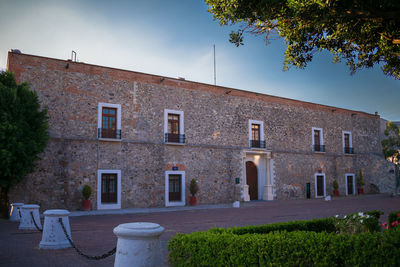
{"x":138,"y":244}
{"x":236,"y":204}
{"x":15,"y":212}
{"x":53,"y":236}
{"x":26,"y":222}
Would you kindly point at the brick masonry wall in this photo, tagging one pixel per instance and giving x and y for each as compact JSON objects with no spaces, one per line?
{"x":216,"y":129}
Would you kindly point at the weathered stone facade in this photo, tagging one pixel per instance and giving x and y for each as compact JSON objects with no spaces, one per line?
{"x":216,"y":128}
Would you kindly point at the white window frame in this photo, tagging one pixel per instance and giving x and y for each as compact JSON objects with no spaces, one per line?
{"x":321,"y":136}
{"x":350,"y":139}
{"x":117,"y":205}
{"x":261,"y":123}
{"x":181,"y":120}
{"x":315,"y":180}
{"x":174,"y":203}
{"x":100,"y":119}
{"x":354,"y":182}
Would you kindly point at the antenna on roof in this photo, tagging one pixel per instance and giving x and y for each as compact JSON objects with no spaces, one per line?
{"x":215,"y":69}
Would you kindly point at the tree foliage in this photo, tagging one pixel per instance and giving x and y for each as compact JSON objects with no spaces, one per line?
{"x":23,"y":131}
{"x":391,"y":144}
{"x":362,"y":33}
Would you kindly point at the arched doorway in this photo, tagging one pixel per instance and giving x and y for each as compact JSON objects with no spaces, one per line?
{"x":252,"y":179}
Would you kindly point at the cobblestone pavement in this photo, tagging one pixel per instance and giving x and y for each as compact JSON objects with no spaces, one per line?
{"x":93,"y":234}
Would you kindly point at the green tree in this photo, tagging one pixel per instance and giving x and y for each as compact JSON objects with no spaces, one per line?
{"x":23,"y":133}
{"x":391,"y":144}
{"x":363,"y":33}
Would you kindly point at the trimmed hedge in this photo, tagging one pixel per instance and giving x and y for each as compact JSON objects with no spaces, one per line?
{"x":316,"y":225}
{"x":298,"y":248}
{"x":295,"y":243}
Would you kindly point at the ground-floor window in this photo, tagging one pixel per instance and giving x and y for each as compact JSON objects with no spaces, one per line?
{"x":108,"y":189}
{"x":174,"y":188}
{"x":320,"y":188}
{"x":350,"y":184}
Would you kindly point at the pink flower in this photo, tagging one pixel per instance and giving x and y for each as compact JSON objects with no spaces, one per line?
{"x":384,"y":224}
{"x":398,"y":215}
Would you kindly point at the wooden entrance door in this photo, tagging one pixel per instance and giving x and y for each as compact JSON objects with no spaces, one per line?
{"x":109,"y":188}
{"x":350,"y":184}
{"x":252,"y":180}
{"x":320,"y":185}
{"x":174,"y":187}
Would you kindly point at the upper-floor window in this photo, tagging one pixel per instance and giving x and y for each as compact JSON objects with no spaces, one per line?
{"x":173,"y":126}
{"x":109,"y":121}
{"x":256,"y":134}
{"x":318,"y":140}
{"x":347,"y":143}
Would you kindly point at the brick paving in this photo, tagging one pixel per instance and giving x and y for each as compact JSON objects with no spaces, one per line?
{"x":93,"y":234}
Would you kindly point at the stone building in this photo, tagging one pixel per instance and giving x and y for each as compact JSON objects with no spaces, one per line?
{"x":138,"y":139}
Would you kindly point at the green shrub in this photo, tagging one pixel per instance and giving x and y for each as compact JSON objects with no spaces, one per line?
{"x":86,"y":192}
{"x":296,"y":243}
{"x":360,"y":179}
{"x":298,"y":248}
{"x":193,"y":187}
{"x":360,"y":222}
{"x":316,"y":225}
{"x":335,"y":185}
{"x":375,"y":213}
{"x":393,"y":216}
{"x":393,"y":221}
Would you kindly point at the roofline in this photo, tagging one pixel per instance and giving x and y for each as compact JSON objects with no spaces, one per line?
{"x":226,"y":89}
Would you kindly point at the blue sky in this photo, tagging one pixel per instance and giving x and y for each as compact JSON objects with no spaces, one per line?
{"x":175,"y":38}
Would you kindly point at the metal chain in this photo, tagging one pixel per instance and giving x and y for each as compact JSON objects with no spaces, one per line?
{"x":34,"y":222}
{"x":105,"y":255}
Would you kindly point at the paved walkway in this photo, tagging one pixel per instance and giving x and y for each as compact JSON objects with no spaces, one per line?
{"x":93,"y":234}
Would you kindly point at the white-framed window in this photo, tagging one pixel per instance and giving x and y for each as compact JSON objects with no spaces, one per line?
{"x":256,"y":134}
{"x":109,"y":121}
{"x":174,"y":188}
{"x":318,"y":139}
{"x":108,"y":189}
{"x":173,"y":126}
{"x":350,"y":182}
{"x":320,"y":186}
{"x":347,"y":142}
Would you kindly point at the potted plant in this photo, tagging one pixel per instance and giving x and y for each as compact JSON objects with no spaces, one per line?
{"x":335,"y":188}
{"x":193,"y":188}
{"x":86,"y":192}
{"x":360,"y":183}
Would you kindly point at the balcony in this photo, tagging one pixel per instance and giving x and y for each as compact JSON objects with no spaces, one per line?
{"x":108,"y":133}
{"x":257,"y":143}
{"x":174,"y":138}
{"x":349,"y":150}
{"x":319,"y":148}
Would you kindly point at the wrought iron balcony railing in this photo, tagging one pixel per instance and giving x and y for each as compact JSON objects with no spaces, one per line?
{"x":108,"y":133}
{"x":319,"y":148}
{"x":349,"y":150}
{"x":174,"y":138}
{"x":257,"y":143}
